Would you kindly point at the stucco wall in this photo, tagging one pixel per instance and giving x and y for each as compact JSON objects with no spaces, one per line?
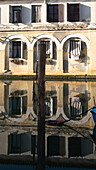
{"x":88,"y":68}
{"x":87,"y":10}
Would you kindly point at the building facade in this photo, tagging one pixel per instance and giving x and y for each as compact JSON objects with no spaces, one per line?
{"x":66,"y":28}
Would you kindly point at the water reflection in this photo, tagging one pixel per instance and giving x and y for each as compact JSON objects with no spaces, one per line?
{"x":75,"y":100}
{"x":64,"y":101}
{"x":50,"y":101}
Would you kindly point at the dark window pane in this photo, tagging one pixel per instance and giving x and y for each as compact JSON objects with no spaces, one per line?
{"x":52,"y":13}
{"x":73,"y":12}
{"x":16,"y":53}
{"x":14,"y":143}
{"x":16,"y":14}
{"x":54,"y":51}
{"x":17,"y":105}
{"x":14,"y":105}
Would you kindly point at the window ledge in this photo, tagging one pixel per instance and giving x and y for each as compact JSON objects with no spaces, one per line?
{"x":18,"y":61}
{"x":50,"y":61}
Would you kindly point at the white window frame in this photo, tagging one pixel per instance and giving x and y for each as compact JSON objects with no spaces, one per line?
{"x":10,"y":49}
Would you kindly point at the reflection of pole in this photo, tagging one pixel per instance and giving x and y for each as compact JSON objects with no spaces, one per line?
{"x":41,"y":108}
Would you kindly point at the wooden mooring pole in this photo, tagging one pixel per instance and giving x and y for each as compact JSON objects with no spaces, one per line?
{"x":41,"y":107}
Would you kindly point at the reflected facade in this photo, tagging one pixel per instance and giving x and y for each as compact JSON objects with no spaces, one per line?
{"x":64,"y":101}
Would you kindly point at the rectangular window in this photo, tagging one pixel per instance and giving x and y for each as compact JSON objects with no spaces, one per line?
{"x":73,"y":12}
{"x":50,"y":49}
{"x":14,"y":143}
{"x":14,"y":106}
{"x":15,"y":14}
{"x":16,"y":49}
{"x":36,"y":13}
{"x":18,"y":52}
{"x":55,"y":13}
{"x":74,"y":49}
{"x":17,"y":105}
{"x":52,"y":13}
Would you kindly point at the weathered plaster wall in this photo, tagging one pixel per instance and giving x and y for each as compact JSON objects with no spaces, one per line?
{"x":87,"y":11}
{"x":89,"y":68}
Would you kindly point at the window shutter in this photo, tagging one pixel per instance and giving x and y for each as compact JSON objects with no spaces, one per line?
{"x":60,"y":6}
{"x":33,"y":13}
{"x":10,"y":14}
{"x":54,"y":51}
{"x":24,"y":50}
{"x":47,"y":13}
{"x":67,"y":12}
{"x":10,"y":49}
{"x":79,"y":12}
{"x":20,"y":14}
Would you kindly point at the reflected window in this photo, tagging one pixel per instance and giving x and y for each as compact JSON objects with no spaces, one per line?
{"x":75,"y":106}
{"x":74,"y":49}
{"x":35,"y":89}
{"x":50,"y":102}
{"x":14,"y":143}
{"x":73,"y":12}
{"x":65,"y":99}
{"x":74,"y":150}
{"x":55,"y":146}
{"x":79,"y":146}
{"x":33,"y":144}
{"x":36,"y":13}
{"x":17,"y":103}
{"x":51,"y":106}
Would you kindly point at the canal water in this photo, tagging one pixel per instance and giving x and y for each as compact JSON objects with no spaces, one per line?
{"x":67,"y":145}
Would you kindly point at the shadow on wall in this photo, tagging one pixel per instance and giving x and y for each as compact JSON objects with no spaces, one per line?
{"x":25,"y":15}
